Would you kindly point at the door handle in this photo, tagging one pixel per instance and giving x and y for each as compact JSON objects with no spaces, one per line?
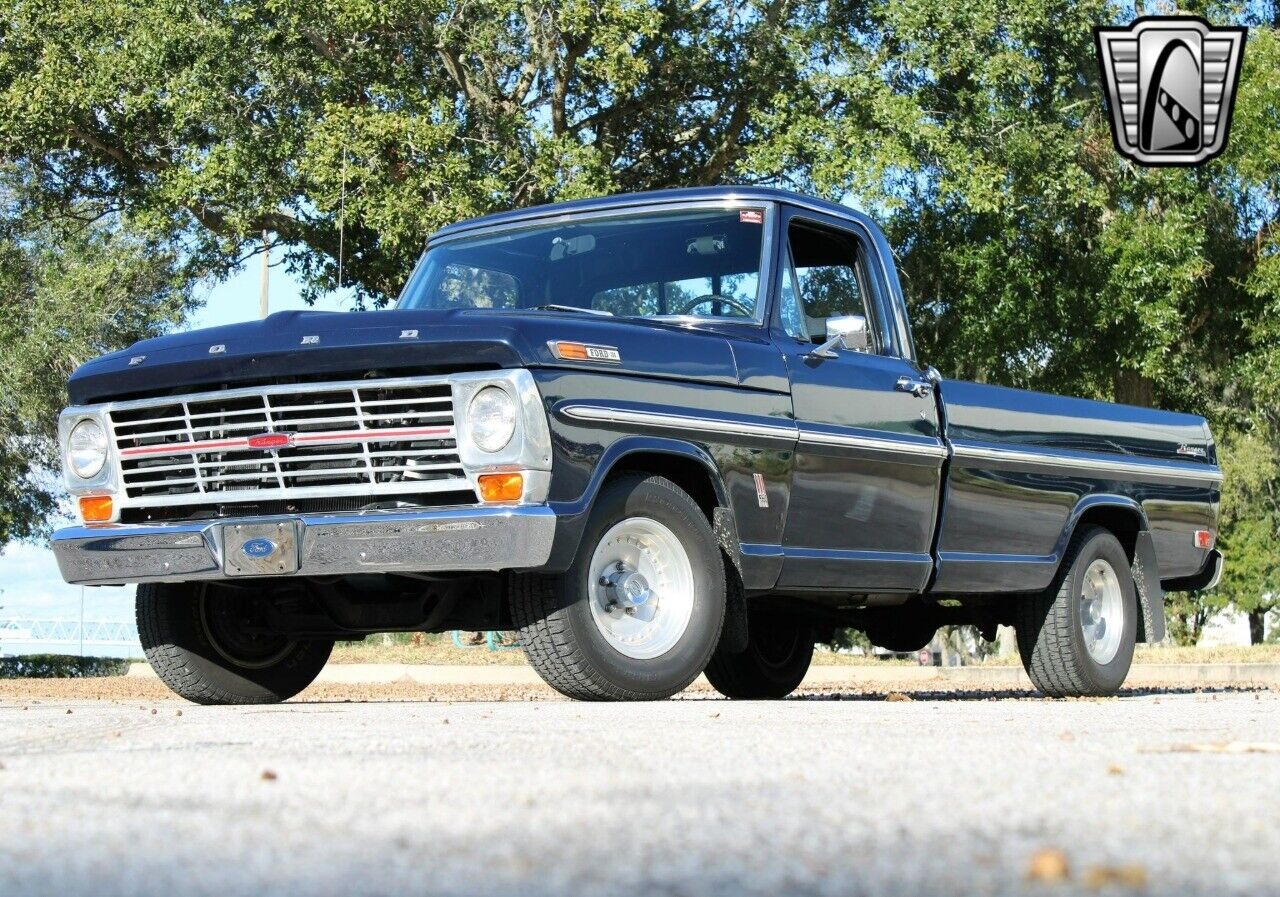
{"x":918,"y":388}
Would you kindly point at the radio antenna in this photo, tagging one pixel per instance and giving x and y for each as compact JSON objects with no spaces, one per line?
{"x":342,"y":217}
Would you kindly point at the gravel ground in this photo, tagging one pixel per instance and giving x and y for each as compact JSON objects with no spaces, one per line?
{"x":108,"y":788}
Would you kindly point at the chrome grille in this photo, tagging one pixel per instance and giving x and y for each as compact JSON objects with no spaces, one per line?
{"x":375,"y":437}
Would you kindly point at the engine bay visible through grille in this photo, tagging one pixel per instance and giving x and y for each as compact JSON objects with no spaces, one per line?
{"x":370,"y":438}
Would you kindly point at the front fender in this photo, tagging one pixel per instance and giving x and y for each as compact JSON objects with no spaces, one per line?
{"x":572,"y":515}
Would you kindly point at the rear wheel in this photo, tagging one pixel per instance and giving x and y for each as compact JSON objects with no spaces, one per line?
{"x":203,"y":643}
{"x":778,"y":653}
{"x":1077,"y":638}
{"x":638,"y":614}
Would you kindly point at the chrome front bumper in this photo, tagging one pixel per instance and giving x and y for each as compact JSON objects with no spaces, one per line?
{"x":455,"y":540}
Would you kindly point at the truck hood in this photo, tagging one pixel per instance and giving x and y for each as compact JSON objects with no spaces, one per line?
{"x":295,"y":344}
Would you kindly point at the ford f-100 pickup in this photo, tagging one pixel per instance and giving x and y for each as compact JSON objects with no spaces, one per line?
{"x":654,"y":435}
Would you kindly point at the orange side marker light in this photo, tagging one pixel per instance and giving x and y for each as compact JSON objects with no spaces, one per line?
{"x":501,"y":486}
{"x":96,"y":508}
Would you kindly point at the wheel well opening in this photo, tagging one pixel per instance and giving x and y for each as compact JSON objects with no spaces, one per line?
{"x":1124,"y":524}
{"x":686,"y":473}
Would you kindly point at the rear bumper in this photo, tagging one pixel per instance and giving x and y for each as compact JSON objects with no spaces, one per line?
{"x":1206,"y":578}
{"x":456,"y":540}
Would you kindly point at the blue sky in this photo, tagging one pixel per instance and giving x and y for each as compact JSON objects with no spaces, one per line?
{"x":30,"y":585}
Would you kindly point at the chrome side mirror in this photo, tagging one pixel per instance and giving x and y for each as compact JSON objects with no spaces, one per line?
{"x":846,"y":332}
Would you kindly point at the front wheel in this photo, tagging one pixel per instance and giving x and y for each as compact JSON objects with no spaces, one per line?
{"x":1078,"y":639}
{"x":203,"y":643}
{"x":639,"y":612}
{"x":777,"y":657}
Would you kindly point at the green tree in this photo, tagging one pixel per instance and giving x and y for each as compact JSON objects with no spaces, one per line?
{"x":356,"y":127}
{"x":1250,"y":526}
{"x":70,"y":289}
{"x":1033,"y":254}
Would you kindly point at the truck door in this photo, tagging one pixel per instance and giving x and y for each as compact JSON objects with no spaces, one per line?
{"x":867,"y":475}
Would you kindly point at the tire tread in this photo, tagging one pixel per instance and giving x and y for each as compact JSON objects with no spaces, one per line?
{"x":155,"y":614}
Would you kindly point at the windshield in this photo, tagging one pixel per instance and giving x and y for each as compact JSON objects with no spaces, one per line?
{"x":704,"y":263}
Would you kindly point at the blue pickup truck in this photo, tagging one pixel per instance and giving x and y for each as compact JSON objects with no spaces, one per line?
{"x":656,"y":435}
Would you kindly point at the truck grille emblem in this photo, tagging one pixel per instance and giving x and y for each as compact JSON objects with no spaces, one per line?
{"x":1170,"y":84}
{"x":267,"y":441}
{"x":258,"y":548}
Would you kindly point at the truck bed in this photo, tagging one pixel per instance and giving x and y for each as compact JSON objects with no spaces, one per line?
{"x":1026,"y":466}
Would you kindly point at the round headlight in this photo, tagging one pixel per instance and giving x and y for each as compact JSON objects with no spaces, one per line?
{"x":491,"y":419}
{"x":87,"y":448}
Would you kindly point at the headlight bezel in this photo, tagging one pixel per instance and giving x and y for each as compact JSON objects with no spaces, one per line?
{"x":507,"y":419}
{"x":99,"y":444}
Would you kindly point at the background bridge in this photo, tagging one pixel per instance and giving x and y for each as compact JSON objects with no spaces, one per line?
{"x":92,"y":638}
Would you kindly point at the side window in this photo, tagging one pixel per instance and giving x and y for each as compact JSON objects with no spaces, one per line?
{"x":828,"y":280}
{"x":792,"y":313}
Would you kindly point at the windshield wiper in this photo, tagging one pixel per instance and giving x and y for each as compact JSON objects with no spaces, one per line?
{"x":576,"y":308}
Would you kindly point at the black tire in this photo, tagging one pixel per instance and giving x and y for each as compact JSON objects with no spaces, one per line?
{"x":1050,"y":630}
{"x":190,"y":636}
{"x":779,"y":650}
{"x":560,"y":635}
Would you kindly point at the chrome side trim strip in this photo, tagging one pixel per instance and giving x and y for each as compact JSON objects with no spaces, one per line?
{"x":874,"y":443}
{"x":1092,"y":463}
{"x":601,"y":414}
{"x":604,"y":414}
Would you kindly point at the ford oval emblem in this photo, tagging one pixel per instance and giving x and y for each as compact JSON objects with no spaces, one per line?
{"x":258,"y":548}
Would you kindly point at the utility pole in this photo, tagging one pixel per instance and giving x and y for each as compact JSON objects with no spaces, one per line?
{"x":82,"y":621}
{"x":264,"y":284}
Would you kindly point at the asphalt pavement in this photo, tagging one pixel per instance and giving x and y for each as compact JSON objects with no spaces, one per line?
{"x":1167,"y":793}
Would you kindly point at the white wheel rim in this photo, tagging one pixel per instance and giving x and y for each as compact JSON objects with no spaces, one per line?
{"x":1101,"y":611}
{"x":641,"y":588}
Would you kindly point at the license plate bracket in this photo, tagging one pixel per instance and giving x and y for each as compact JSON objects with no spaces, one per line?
{"x":260,"y":549}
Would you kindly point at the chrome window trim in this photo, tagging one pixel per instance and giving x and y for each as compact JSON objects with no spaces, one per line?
{"x":1095,"y":463}
{"x":646,"y":207}
{"x":892,"y":326}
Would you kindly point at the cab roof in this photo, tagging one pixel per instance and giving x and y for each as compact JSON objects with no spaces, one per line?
{"x":658,"y":197}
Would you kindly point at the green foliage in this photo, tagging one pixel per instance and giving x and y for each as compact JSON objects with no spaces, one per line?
{"x":70,"y":289}
{"x":1250,"y":524}
{"x":1033,"y":255}
{"x":216,"y":120}
{"x":844,"y":639}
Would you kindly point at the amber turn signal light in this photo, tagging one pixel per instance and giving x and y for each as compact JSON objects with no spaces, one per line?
{"x":501,"y":486}
{"x":96,"y":508}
